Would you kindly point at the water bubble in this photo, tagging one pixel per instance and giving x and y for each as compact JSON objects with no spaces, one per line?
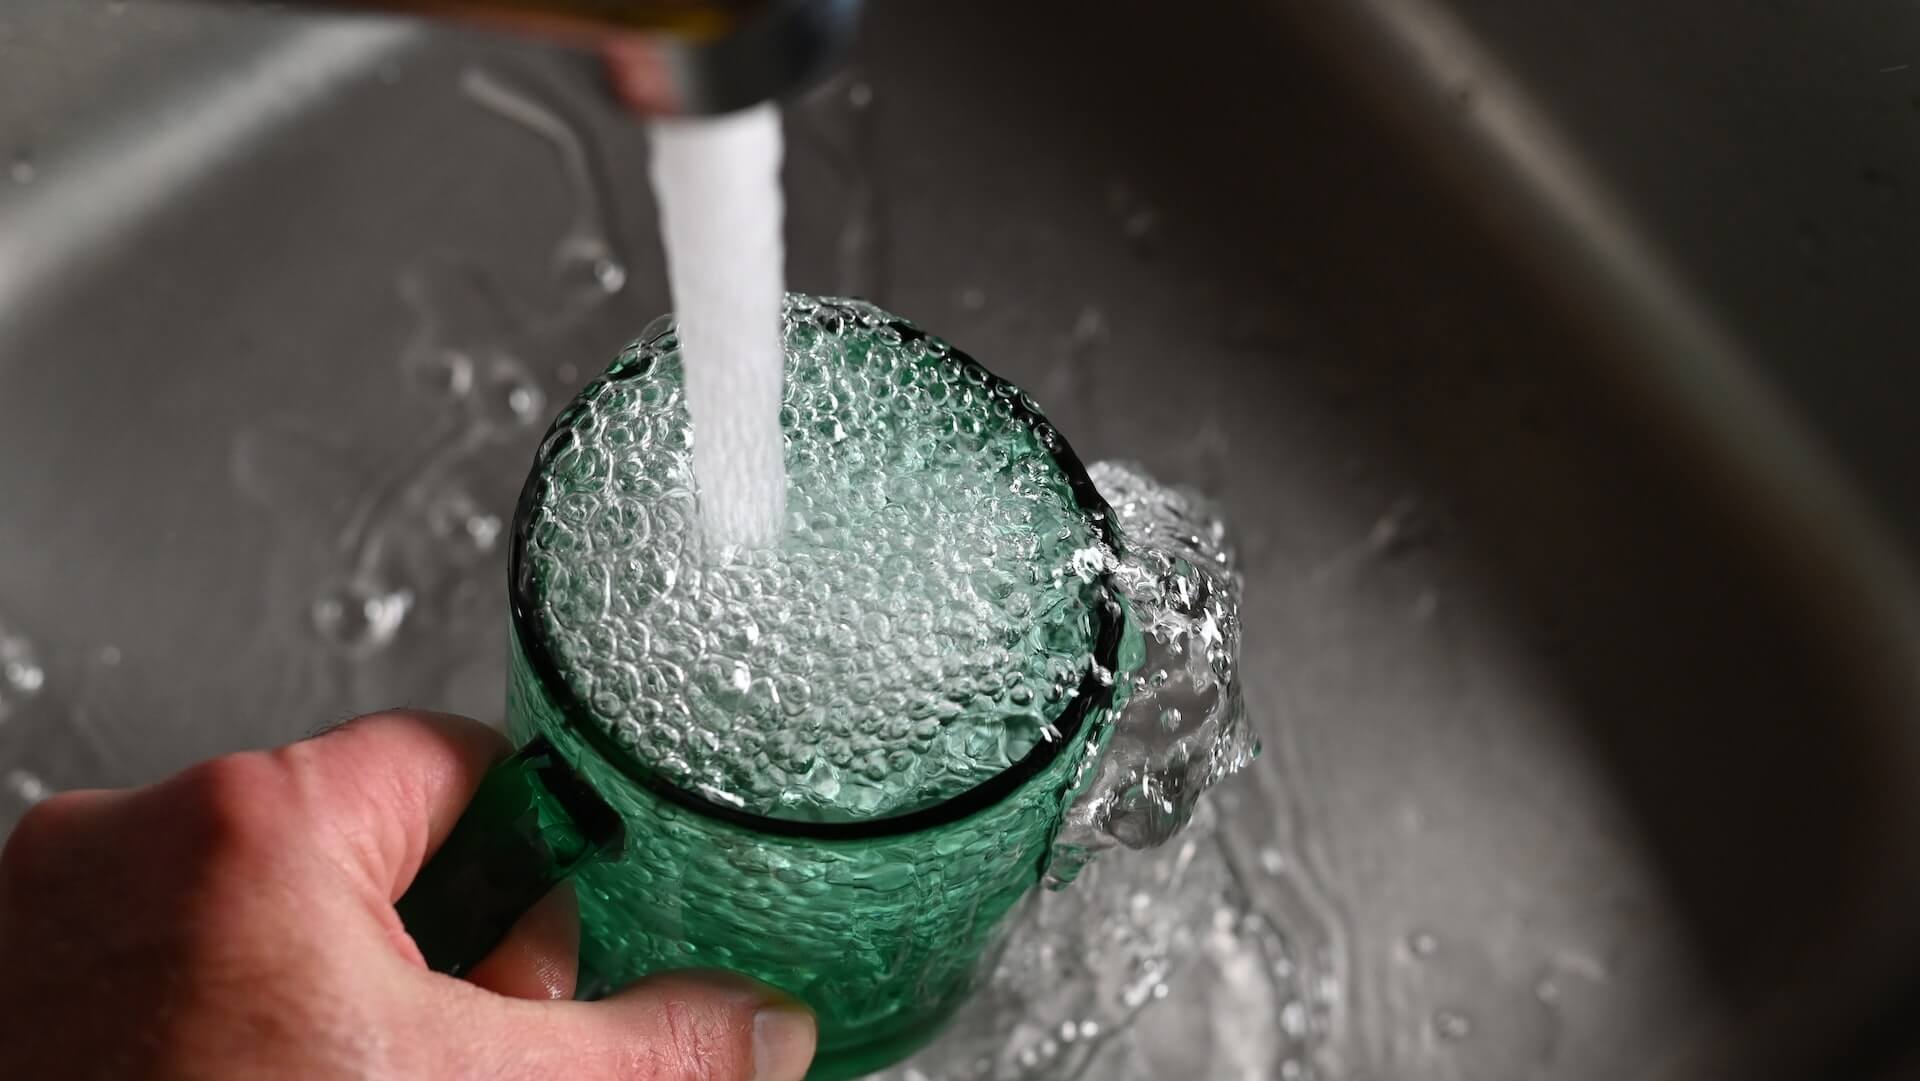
{"x":882,"y":622}
{"x":1089,"y":327}
{"x":1423,"y":944}
{"x":588,"y":263}
{"x":483,"y":530}
{"x":1272,"y":861}
{"x":973,"y":298}
{"x":509,"y":397}
{"x":22,"y":169}
{"x":455,"y":516}
{"x":611,"y":275}
{"x":1294,"y":1019}
{"x":358,"y":617}
{"x":860,"y":95}
{"x":1451,"y":1025}
{"x":21,"y":674}
{"x":442,"y":373}
{"x":27,"y":787}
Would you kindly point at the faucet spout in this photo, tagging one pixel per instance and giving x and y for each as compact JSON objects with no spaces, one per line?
{"x":677,"y":57}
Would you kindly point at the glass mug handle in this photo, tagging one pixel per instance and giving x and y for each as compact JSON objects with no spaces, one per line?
{"x":532,"y":823}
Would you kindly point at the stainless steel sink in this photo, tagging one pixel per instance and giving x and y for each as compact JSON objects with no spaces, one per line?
{"x":1582,"y":629}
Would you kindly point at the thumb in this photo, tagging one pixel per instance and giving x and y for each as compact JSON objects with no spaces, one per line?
{"x":681,"y":1026}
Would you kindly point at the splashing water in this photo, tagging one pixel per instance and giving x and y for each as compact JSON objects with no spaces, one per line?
{"x":21,"y":674}
{"x":929,"y":610}
{"x":930,"y":616}
{"x":1155,"y":964}
{"x":1183,"y":727}
{"x":721,"y":207}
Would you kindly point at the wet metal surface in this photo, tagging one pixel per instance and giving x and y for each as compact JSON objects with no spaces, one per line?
{"x":1569,"y":764}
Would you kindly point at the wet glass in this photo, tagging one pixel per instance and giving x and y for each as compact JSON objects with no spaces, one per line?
{"x":866,"y":881}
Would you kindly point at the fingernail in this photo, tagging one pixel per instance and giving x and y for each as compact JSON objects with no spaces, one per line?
{"x":782,"y":1043}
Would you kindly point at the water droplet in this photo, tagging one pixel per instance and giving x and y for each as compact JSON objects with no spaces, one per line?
{"x":443,"y":373}
{"x":21,"y":675}
{"x":509,"y":397}
{"x":359,"y":617}
{"x":1452,"y":1025}
{"x":860,"y":95}
{"x":483,"y":530}
{"x":110,"y":656}
{"x":1272,"y":861}
{"x":1423,"y":944}
{"x":455,"y":516}
{"x":1546,"y":990}
{"x":586,"y":262}
{"x":611,"y":275}
{"x":1089,"y":327}
{"x":22,"y":169}
{"x":973,"y":298}
{"x":27,"y":787}
{"x":1293,"y":1019}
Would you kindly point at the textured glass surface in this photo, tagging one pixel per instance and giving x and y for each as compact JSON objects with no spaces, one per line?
{"x":929,"y":620}
{"x":926,"y":616}
{"x":881,"y":937}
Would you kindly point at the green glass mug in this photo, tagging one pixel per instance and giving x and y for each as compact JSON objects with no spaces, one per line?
{"x":878,"y":924}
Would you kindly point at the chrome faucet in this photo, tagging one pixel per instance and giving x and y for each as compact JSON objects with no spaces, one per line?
{"x":679,"y":57}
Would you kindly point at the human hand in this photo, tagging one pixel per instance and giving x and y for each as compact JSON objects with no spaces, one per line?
{"x":236,"y":921}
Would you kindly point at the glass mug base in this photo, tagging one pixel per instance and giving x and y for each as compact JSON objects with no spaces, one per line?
{"x":837,"y":1062}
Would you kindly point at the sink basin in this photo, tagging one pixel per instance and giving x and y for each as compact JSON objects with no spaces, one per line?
{"x":1585,"y":667}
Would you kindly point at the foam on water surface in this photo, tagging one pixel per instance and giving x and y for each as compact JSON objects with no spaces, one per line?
{"x":925,"y":619}
{"x":928,"y":615}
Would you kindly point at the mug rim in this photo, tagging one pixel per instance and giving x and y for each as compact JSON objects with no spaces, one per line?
{"x":1093,"y":693}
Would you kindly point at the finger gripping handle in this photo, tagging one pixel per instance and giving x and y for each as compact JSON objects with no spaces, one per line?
{"x":532,"y":823}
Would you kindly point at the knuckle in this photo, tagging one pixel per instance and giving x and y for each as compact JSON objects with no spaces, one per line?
{"x":235,"y":806}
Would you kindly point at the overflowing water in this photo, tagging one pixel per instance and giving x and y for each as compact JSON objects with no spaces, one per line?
{"x":21,"y":673}
{"x":1156,"y":964}
{"x":930,"y":611}
{"x":1182,"y":727}
{"x":923,"y":624}
{"x":928,"y":618}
